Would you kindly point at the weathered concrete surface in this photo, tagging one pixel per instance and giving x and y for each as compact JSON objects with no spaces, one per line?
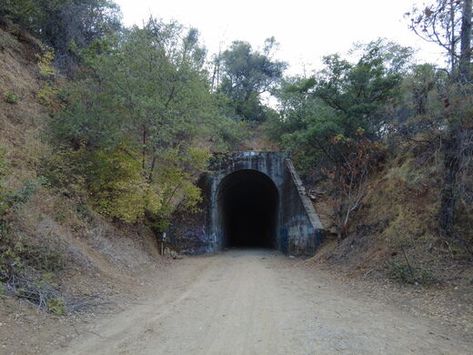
{"x":298,"y":230}
{"x":300,"y":226}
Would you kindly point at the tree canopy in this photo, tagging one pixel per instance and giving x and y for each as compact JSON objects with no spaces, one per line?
{"x":65,"y":25}
{"x":132,"y":119}
{"x":247,"y":75}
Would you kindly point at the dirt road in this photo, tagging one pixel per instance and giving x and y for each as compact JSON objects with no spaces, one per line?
{"x":260,"y":302}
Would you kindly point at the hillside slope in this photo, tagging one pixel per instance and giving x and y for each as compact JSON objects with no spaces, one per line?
{"x":56,"y":254}
{"x":394,"y":243}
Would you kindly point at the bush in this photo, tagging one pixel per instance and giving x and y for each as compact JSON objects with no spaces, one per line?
{"x":117,"y":187}
{"x":3,"y":172}
{"x":45,"y":65}
{"x":62,"y":171}
{"x":3,"y":289}
{"x":46,"y":95}
{"x":26,"y":271}
{"x":11,"y":98}
{"x":62,"y":23}
{"x":56,"y":306}
{"x":111,"y":178}
{"x":9,"y":200}
{"x":406,"y":274}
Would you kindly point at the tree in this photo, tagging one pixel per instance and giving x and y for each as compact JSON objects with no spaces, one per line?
{"x":334,"y":121}
{"x":359,"y":92}
{"x":439,"y":23}
{"x":132,"y":119}
{"x":361,"y":156}
{"x":65,"y":25}
{"x":448,"y":24}
{"x":344,"y":96}
{"x":465,"y":38}
{"x":246,"y":75}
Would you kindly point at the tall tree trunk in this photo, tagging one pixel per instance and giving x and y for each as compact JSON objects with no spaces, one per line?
{"x":450,"y":149}
{"x":465,"y":54}
{"x":452,"y":143}
{"x":453,"y":42}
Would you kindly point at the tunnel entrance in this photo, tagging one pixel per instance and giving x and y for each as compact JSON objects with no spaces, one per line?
{"x":248,"y":208}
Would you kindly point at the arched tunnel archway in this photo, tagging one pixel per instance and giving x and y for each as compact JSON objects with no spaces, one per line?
{"x":248,"y":209}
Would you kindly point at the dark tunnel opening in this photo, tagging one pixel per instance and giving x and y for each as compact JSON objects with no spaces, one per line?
{"x":248,"y":207}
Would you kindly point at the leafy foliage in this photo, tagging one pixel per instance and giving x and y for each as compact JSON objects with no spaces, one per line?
{"x":21,"y":263}
{"x":56,"y":306}
{"x":359,"y":92}
{"x":45,"y":64}
{"x":65,"y":25}
{"x":247,"y":74}
{"x":334,"y":121}
{"x":133,"y":118}
{"x":3,"y":173}
{"x":405,"y":273}
{"x":11,"y":98}
{"x":349,"y":178}
{"x":341,"y":100}
{"x":116,"y":185}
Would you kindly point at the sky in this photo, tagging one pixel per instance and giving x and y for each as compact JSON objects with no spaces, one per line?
{"x":306,"y":30}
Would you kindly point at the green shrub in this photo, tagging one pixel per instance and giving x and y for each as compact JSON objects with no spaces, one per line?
{"x":45,"y":64}
{"x":3,"y":172}
{"x":46,"y":95}
{"x":406,"y":274}
{"x":111,"y":178}
{"x":116,"y":185}
{"x":15,"y":198}
{"x":11,"y":98}
{"x":63,"y":171}
{"x":3,"y":289}
{"x":56,"y":306}
{"x":16,"y":255}
{"x":3,"y":162}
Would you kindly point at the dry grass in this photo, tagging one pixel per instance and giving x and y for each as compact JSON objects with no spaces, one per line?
{"x":98,"y":256}
{"x":396,"y":229}
{"x":22,"y":124}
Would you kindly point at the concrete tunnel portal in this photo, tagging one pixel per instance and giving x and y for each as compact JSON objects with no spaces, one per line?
{"x":248,"y":207}
{"x":250,"y":199}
